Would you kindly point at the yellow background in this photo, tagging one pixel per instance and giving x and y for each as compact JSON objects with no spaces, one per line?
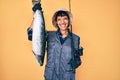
{"x":97,"y":22}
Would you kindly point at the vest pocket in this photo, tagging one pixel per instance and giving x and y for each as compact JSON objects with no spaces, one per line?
{"x":50,"y":44}
{"x":48,"y":73}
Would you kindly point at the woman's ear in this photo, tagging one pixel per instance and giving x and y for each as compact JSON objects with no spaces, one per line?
{"x":57,"y":25}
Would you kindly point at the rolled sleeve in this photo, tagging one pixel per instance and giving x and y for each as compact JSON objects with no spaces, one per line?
{"x":29,"y":33}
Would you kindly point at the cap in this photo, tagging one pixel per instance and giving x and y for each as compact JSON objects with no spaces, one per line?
{"x":55,"y":15}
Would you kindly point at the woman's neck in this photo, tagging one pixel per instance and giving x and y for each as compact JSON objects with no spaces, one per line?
{"x":64,"y":33}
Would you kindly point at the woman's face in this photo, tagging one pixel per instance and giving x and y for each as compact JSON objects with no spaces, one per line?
{"x":62,"y":22}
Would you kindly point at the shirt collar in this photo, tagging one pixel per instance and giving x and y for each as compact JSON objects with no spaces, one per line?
{"x":69,"y":33}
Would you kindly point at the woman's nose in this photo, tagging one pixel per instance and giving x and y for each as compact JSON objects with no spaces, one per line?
{"x":62,"y":21}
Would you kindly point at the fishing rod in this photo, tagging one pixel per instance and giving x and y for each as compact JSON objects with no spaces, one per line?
{"x":70,"y":12}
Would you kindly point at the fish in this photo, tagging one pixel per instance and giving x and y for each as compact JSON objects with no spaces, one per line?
{"x":39,"y":36}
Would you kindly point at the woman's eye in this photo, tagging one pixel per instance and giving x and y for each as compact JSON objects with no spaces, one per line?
{"x":65,"y":18}
{"x":58,"y":19}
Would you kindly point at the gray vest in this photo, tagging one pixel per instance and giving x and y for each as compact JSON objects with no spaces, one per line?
{"x":58,"y":56}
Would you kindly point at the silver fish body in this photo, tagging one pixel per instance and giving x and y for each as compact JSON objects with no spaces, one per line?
{"x":39,"y":37}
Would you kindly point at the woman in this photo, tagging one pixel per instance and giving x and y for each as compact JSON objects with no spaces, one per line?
{"x":59,"y":44}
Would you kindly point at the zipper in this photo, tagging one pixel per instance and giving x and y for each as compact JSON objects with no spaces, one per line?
{"x":60,"y":60}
